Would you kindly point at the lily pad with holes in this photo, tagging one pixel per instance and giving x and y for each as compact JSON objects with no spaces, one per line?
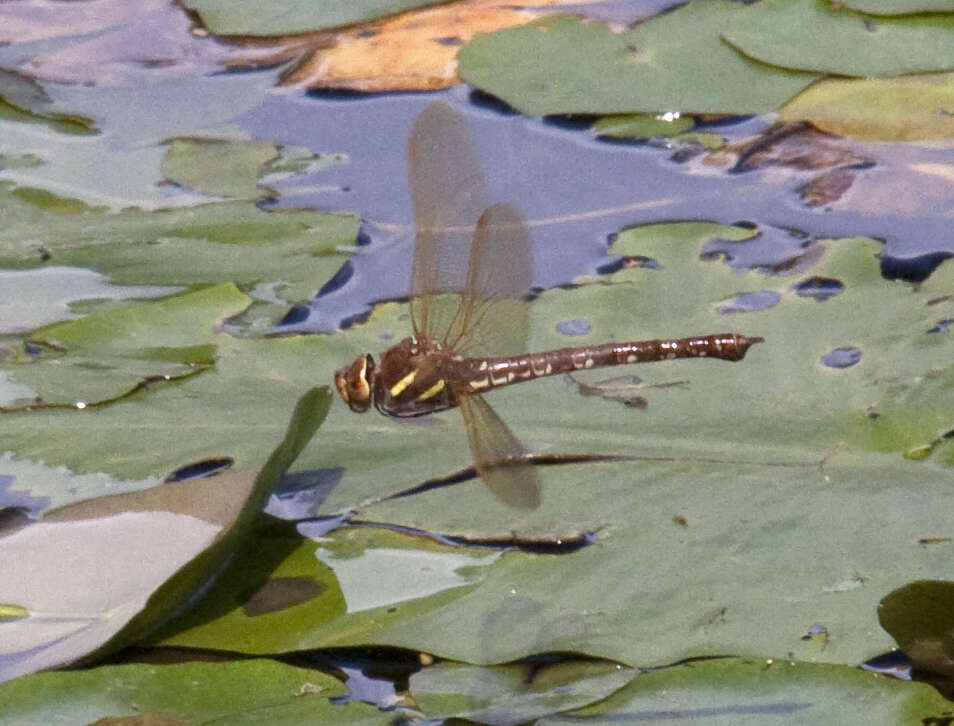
{"x":745,"y":503}
{"x":151,"y":386}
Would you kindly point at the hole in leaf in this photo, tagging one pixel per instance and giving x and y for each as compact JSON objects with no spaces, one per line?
{"x":200,"y":469}
{"x":574,"y":327}
{"x":750,"y":301}
{"x":842,"y":357}
{"x":819,"y":288}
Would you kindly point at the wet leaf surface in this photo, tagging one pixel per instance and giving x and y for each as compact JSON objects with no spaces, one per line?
{"x":641,"y":126}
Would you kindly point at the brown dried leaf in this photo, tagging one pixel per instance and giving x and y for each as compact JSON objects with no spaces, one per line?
{"x":413,"y":51}
{"x":797,"y":146}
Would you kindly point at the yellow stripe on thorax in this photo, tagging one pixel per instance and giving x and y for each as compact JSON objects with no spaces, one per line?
{"x":432,"y":391}
{"x":403,"y":383}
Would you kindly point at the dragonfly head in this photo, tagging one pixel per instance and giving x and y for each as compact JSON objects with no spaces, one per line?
{"x":354,"y":383}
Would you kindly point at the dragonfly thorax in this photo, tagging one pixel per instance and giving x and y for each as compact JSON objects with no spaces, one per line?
{"x":414,"y":379}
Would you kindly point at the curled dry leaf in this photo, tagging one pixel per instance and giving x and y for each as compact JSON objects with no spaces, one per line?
{"x":801,"y":147}
{"x":412,"y":51}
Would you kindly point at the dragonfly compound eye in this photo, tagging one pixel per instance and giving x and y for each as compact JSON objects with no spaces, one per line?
{"x":354,"y":383}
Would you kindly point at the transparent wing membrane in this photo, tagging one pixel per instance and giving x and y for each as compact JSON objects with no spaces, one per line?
{"x":449,"y":194}
{"x":472,"y":267}
{"x":499,"y":457}
{"x":493,"y":317}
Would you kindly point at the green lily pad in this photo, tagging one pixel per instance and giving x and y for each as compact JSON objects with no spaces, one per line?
{"x":900,"y":7}
{"x":734,"y":691}
{"x":235,"y":167}
{"x":138,"y":419}
{"x":294,"y":251}
{"x":638,"y":126}
{"x":100,"y":358}
{"x":36,"y":297}
{"x":120,"y":168}
{"x":514,"y":694}
{"x":50,"y":568}
{"x":671,"y":62}
{"x":24,"y":100}
{"x":123,"y":541}
{"x":219,"y":166}
{"x":888,"y":109}
{"x":399,"y":575}
{"x":918,"y":616}
{"x":814,"y":35}
{"x":249,"y":692}
{"x":290,"y":17}
{"x":749,"y":493}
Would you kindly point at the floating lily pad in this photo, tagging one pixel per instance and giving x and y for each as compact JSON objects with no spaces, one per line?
{"x":918,"y":615}
{"x":640,"y":126}
{"x":900,"y":7}
{"x":739,"y":691}
{"x":219,"y":166}
{"x":412,"y":51}
{"x":749,"y":493}
{"x":24,"y":100}
{"x":671,"y":62}
{"x":889,"y":109}
{"x":293,"y":16}
{"x":52,"y":563}
{"x":517,"y":693}
{"x":235,"y":693}
{"x":37,"y":297}
{"x":815,"y":35}
{"x":294,"y":250}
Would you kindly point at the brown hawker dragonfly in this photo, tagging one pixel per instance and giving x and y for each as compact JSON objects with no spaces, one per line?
{"x":467,"y":310}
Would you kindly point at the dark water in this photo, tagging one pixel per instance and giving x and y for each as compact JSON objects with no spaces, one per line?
{"x":575,"y":189}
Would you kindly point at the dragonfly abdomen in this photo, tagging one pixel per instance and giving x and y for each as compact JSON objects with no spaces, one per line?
{"x":494,"y":372}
